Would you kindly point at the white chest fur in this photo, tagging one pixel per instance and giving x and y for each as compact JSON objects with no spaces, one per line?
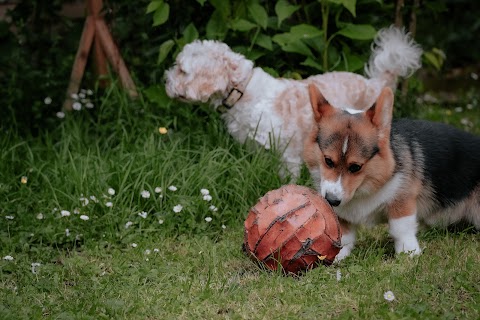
{"x":368,"y":210}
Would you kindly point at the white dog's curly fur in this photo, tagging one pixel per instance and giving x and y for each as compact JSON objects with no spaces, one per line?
{"x":277,"y":110}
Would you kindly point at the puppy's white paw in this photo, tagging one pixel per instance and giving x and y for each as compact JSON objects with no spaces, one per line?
{"x":409,"y":246}
{"x":344,"y":252}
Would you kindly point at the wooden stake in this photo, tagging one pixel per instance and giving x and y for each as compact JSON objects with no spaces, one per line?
{"x":80,"y":61}
{"x":95,"y":31}
{"x":114,"y":57}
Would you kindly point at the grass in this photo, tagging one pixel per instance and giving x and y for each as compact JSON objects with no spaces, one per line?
{"x":182,"y":265}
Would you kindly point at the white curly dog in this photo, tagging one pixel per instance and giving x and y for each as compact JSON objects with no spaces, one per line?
{"x":276,"y":111}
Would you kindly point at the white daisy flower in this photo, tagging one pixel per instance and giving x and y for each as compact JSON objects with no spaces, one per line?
{"x":60,"y":114}
{"x":172,"y":188}
{"x":76,"y":211}
{"x":24,"y":180}
{"x":111,"y":191}
{"x":389,"y":296}
{"x":207,"y":197}
{"x":9,"y":217}
{"x":84,"y":217}
{"x":67,"y":232}
{"x":148,"y":251}
{"x":134,"y":245}
{"x":82,"y":95}
{"x":208,"y":219}
{"x":47,"y":100}
{"x":143,"y":214}
{"x":160,"y":221}
{"x":84,"y":201}
{"x":77,"y":106}
{"x":34,"y":267}
{"x":89,"y":105}
{"x":8,"y":258}
{"x":128,"y":224}
{"x":65,"y":213}
{"x":224,"y":226}
{"x":204,"y":192}
{"x":94,"y":199}
{"x":74,"y":96}
{"x":145,"y":194}
{"x":158,"y":190}
{"x":213,"y":208}
{"x":156,"y":250}
{"x":40,"y":216}
{"x":89,"y":92}
{"x":109,"y":204}
{"x":177,"y":208}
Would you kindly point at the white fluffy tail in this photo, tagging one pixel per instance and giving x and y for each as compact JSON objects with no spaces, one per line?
{"x":394,"y":54}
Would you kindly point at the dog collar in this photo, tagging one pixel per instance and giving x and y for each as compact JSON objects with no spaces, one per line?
{"x":233,"y":97}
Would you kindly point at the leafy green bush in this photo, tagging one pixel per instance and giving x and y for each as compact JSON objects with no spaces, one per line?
{"x":318,"y":35}
{"x":286,"y":38}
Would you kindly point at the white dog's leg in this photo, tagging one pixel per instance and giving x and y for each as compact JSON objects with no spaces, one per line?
{"x":404,"y":233}
{"x":348,"y":243}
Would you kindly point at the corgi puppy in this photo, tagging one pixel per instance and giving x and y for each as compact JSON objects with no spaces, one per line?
{"x":372,"y":170}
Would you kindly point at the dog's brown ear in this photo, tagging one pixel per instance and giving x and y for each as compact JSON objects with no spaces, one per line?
{"x":320,"y":105}
{"x":380,"y":114}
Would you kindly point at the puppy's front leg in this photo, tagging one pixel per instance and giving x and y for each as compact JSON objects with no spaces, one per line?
{"x":348,"y":239}
{"x":402,"y":220}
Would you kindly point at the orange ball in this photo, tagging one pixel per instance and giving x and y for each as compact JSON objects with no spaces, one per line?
{"x":292,"y":227}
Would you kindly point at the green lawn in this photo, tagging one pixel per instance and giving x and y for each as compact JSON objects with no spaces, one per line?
{"x":138,"y":252}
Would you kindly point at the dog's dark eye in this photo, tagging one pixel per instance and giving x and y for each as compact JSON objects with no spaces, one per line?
{"x":329,"y":162}
{"x":354,"y":168}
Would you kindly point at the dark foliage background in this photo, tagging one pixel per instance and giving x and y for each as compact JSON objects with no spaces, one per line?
{"x":38,"y":45}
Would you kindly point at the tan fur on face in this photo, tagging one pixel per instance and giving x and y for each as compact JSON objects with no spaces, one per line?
{"x":348,"y":139}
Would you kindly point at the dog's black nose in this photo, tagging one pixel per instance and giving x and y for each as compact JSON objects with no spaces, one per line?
{"x":332,"y":200}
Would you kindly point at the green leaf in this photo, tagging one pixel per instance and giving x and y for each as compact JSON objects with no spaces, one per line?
{"x":433,"y":60}
{"x":264,"y":41}
{"x":352,"y":62}
{"x":350,"y":6}
{"x":161,"y":14}
{"x":222,"y":6}
{"x":190,"y":33}
{"x":157,"y":94}
{"x":284,"y":10}
{"x":306,"y":31}
{"x":310,"y":62}
{"x":254,"y":54}
{"x":242,"y":25}
{"x":258,"y":14}
{"x":165,"y":49}
{"x":154,"y":5}
{"x":290,"y":43}
{"x":202,"y":2}
{"x":271,"y":71}
{"x":358,"y":31}
{"x":216,"y":26}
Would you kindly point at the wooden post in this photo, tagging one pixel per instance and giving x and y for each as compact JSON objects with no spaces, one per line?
{"x":95,"y":31}
{"x":95,"y":7}
{"x":398,"y":13}
{"x":80,"y":61}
